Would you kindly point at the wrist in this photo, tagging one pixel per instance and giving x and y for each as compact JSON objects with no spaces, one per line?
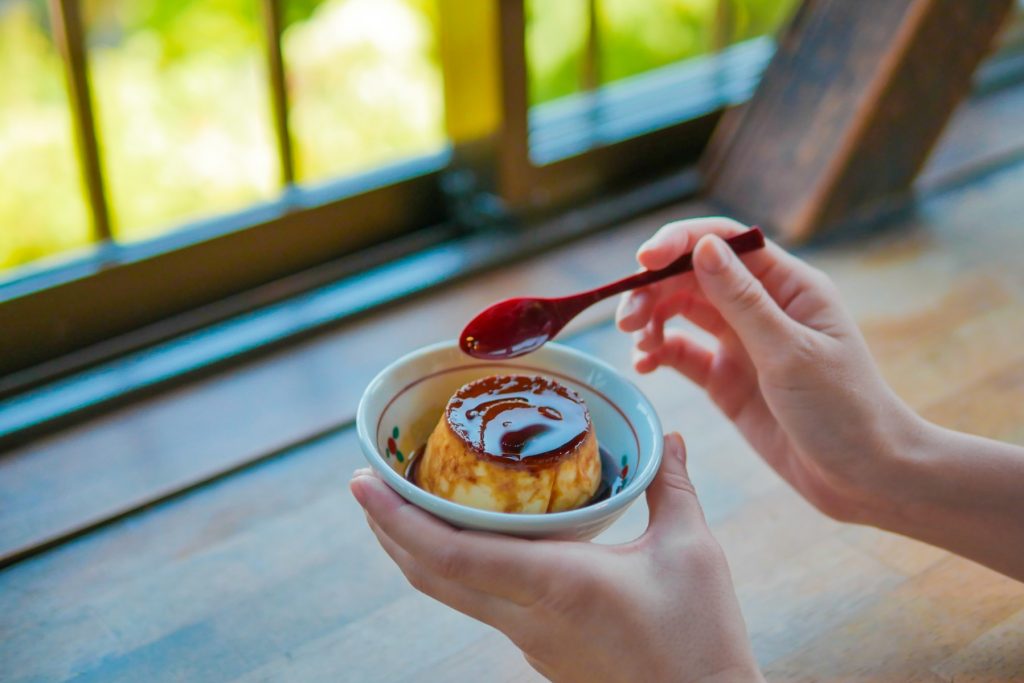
{"x":961,"y":493}
{"x":905,"y":490}
{"x":891,"y":490}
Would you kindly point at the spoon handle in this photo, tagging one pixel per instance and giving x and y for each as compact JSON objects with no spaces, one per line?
{"x":743,"y":242}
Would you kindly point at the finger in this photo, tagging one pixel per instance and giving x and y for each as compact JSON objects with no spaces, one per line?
{"x":652,"y":335}
{"x":644,"y":362}
{"x":671,"y":498}
{"x":507,"y":567}
{"x":784,"y":275}
{"x":635,"y":309}
{"x":539,"y":666}
{"x":686,"y":356}
{"x":764,"y":329}
{"x":695,"y":308}
{"x":648,"y":339}
{"x":483,"y":607}
{"x":679,"y":237}
{"x":687,"y":304}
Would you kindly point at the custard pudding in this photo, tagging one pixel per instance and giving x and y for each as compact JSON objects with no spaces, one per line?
{"x":512,"y":443}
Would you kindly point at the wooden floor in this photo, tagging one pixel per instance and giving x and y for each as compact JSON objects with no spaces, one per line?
{"x":267,"y":572}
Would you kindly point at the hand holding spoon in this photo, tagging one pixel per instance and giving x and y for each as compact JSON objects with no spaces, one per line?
{"x":515,"y":327}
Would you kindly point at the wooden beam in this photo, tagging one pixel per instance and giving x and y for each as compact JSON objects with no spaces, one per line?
{"x":273,"y":27}
{"x":69,"y":36}
{"x":847,"y":111}
{"x":514,"y":165}
{"x":468,"y":46}
{"x":590,"y":76}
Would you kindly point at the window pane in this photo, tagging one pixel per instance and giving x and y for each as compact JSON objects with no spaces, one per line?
{"x":556,"y":36}
{"x":639,"y":36}
{"x":658,"y":62}
{"x":42,"y":203}
{"x":753,"y":18}
{"x":183,"y":109}
{"x":364,"y":83}
{"x":634,"y":37}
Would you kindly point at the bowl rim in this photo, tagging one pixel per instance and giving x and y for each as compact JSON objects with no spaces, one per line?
{"x":501,"y":521}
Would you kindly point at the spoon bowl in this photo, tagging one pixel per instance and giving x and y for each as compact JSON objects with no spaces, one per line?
{"x":525,"y":324}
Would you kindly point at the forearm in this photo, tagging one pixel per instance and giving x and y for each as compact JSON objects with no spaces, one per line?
{"x":964,"y":493}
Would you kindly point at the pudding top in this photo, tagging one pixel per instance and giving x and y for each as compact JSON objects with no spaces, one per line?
{"x":515,"y":418}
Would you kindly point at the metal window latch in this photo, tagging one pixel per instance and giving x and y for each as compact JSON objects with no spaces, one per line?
{"x":471,"y":207}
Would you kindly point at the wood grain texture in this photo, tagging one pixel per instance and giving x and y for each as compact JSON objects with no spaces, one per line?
{"x":920,"y":622}
{"x":848,"y":109}
{"x":272,"y":575}
{"x":93,"y":472}
{"x":994,"y":657}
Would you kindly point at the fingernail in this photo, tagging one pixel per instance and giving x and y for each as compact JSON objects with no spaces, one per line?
{"x":714,"y":257}
{"x":358,"y":488}
{"x":677,"y":443}
{"x":642,"y":362}
{"x":629,"y":308}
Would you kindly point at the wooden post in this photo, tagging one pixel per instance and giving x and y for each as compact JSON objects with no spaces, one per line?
{"x":69,"y":35}
{"x":847,"y":111}
{"x":273,"y":26}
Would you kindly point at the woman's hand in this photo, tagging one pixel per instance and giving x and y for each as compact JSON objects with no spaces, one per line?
{"x":661,"y":608}
{"x":790,"y":368}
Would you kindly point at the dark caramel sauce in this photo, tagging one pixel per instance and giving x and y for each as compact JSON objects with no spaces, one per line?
{"x":412,"y":470}
{"x":519,"y":419}
{"x":522,"y":421}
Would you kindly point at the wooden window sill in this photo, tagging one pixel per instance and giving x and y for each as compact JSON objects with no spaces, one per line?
{"x":59,"y":486}
{"x":270,"y":573}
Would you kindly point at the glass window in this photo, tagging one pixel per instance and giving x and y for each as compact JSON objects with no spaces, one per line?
{"x":643,"y":66}
{"x":187,"y":106}
{"x":182,"y":109}
{"x":556,"y":37}
{"x":754,"y":18}
{"x":639,"y":36}
{"x":364,"y":83}
{"x":42,"y":204}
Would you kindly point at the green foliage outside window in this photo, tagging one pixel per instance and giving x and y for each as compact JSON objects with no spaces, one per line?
{"x":183,"y":108}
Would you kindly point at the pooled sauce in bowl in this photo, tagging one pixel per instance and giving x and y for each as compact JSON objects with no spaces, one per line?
{"x":517,"y":419}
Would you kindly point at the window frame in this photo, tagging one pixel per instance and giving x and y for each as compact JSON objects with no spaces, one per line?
{"x":298,"y":267}
{"x":593,"y":169}
{"x":54,"y":316}
{"x":122,"y":297}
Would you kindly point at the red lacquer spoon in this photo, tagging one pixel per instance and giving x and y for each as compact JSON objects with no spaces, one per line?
{"x":515,"y":327}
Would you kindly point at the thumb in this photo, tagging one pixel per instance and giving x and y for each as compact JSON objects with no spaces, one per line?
{"x":763,"y":327}
{"x":671,"y":498}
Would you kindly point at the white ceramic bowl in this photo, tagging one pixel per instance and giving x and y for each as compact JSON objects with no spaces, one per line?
{"x":403,"y":403}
